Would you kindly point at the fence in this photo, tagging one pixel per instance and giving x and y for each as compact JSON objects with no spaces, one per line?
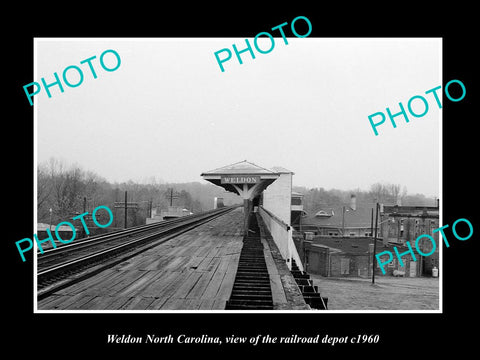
{"x":282,"y":236}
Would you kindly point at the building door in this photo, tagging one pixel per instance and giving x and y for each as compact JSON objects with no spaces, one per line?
{"x":344,"y":266}
{"x":413,"y":269}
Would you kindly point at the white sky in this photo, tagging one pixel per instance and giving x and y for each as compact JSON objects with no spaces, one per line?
{"x":169,"y":112}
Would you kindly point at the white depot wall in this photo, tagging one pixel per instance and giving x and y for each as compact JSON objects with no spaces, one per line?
{"x":277,"y":197}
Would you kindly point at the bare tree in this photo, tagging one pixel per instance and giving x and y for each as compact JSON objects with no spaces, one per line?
{"x":377,"y":192}
{"x":385,"y":192}
{"x":44,"y":190}
{"x":67,"y":188}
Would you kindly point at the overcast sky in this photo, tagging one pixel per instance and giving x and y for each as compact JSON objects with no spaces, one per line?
{"x":169,"y":112}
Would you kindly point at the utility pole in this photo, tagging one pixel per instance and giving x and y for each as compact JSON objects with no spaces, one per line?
{"x":398,"y":229}
{"x":374,"y":244}
{"x":126,"y":205}
{"x":50,"y":226}
{"x":371,"y":225}
{"x":343,"y":220}
{"x":171,"y":196}
{"x":125,"y":209}
{"x":84,"y":234}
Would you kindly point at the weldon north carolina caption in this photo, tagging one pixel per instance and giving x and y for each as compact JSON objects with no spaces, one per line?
{"x":252,"y":340}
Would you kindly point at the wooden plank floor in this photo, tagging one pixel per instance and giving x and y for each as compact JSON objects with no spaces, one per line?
{"x":194,"y":271}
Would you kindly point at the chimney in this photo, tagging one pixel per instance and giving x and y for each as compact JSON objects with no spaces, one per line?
{"x":353,"y":202}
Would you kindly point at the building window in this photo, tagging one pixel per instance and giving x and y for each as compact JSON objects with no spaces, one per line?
{"x":296,"y":201}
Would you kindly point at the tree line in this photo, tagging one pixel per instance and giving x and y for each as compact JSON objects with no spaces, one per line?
{"x":386,"y":193}
{"x":64,"y":191}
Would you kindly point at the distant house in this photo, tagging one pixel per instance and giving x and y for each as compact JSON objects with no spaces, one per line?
{"x":173,"y":212}
{"x":65,"y":232}
{"x":349,"y":221}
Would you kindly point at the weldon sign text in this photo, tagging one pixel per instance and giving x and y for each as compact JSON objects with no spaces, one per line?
{"x":240,"y":179}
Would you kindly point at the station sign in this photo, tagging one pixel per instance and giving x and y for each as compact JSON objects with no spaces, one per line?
{"x":240,"y":179}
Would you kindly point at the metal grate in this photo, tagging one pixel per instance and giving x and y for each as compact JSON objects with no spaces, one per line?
{"x":251,"y":288}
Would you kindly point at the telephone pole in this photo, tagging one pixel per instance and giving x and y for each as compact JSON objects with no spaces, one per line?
{"x":374,"y":244}
{"x":125,"y":209}
{"x":171,"y":196}
{"x":126,"y":205}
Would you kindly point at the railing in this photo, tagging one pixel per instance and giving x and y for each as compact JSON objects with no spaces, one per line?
{"x":282,"y":236}
{"x":77,"y":261}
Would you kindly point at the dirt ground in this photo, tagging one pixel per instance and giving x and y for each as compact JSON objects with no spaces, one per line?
{"x":388,"y":293}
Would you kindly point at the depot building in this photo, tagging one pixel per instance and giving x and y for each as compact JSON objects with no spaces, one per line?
{"x":256,"y":185}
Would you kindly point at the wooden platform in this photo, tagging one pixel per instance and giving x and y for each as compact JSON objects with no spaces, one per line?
{"x":194,"y":271}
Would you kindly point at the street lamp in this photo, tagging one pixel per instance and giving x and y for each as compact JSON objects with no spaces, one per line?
{"x":343,"y":220}
{"x":50,"y":225}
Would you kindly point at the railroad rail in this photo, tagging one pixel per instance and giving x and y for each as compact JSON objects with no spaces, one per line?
{"x":61,"y":267}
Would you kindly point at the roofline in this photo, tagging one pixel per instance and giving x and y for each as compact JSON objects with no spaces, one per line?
{"x":244,"y":161}
{"x":218,"y":176}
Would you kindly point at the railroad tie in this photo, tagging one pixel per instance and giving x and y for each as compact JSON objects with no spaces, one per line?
{"x":251,"y":288}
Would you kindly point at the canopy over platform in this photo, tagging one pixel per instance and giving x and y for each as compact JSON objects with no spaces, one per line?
{"x":243,"y":178}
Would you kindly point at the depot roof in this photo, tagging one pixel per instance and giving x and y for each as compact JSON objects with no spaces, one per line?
{"x":242,"y":167}
{"x":244,"y":178}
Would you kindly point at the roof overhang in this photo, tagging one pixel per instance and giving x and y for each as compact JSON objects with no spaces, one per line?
{"x":243,"y":178}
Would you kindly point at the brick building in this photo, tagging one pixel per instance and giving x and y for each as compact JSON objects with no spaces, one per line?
{"x":402,"y":224}
{"x":351,"y":256}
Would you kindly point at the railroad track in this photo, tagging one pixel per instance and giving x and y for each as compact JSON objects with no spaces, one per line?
{"x":61,"y":267}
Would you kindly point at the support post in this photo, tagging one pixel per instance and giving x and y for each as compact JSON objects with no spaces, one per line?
{"x":246,"y":209}
{"x":374,"y":244}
